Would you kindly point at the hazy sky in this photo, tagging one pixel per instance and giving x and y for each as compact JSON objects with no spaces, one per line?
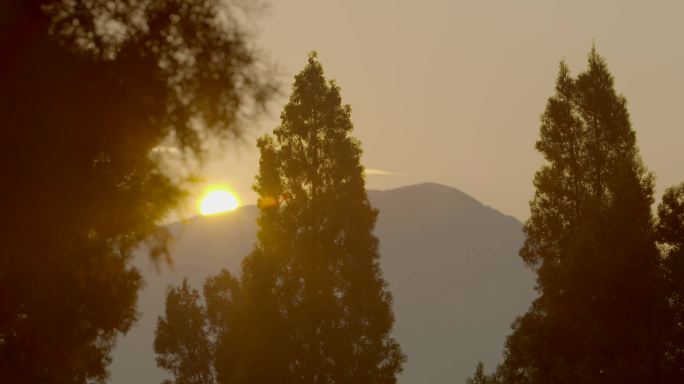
{"x":452,"y":91}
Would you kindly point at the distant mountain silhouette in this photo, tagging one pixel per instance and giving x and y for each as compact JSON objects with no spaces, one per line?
{"x":451,"y":263}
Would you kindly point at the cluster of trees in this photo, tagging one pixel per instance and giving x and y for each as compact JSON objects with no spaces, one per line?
{"x":610,"y":274}
{"x":310,"y":304}
{"x":89,"y":89}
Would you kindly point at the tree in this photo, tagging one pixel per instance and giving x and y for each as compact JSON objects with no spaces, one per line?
{"x":590,"y":241}
{"x":479,"y":377}
{"x":670,"y":234}
{"x":181,"y":338}
{"x":90,"y":90}
{"x":311,"y":305}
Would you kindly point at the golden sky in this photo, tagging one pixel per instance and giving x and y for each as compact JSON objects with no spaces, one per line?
{"x":452,"y":91}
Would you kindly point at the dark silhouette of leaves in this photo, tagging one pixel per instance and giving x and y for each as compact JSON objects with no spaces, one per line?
{"x":590,"y":240}
{"x":89,"y":89}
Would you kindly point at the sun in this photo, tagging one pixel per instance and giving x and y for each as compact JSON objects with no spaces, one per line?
{"x":217,"y":200}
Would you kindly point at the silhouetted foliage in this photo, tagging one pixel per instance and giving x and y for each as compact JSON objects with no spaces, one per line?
{"x":670,"y":234}
{"x":479,"y":377}
{"x":181,"y":339}
{"x":89,"y":89}
{"x":316,"y":261}
{"x":590,"y":241}
{"x":311,"y":305}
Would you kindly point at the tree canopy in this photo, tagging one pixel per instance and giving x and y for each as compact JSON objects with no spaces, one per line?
{"x":479,"y":377}
{"x":316,"y":230}
{"x":90,"y":90}
{"x":670,"y":236}
{"x":181,"y":339}
{"x":590,"y":241}
{"x":310,"y":304}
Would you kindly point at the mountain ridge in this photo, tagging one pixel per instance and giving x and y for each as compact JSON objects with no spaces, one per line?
{"x":450,"y":262}
{"x":426,"y":184}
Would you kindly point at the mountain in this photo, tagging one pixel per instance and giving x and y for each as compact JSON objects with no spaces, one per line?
{"x":450,"y":261}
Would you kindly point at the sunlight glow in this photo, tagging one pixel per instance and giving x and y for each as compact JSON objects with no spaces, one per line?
{"x":217,"y":200}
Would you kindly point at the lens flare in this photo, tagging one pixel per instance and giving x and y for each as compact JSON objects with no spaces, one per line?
{"x":218,"y":200}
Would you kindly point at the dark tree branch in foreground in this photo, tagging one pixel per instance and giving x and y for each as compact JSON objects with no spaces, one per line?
{"x":89,"y":90}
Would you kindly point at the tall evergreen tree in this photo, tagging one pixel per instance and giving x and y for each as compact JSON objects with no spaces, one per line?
{"x":670,"y":233}
{"x":313,"y":306}
{"x":591,"y":243}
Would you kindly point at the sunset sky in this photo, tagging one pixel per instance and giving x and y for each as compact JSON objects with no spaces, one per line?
{"x":451,"y":91}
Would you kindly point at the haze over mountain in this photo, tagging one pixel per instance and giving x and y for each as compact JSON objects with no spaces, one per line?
{"x":450,"y":261}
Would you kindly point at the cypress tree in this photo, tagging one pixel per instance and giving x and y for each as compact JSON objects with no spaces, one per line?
{"x":312,"y":305}
{"x":590,"y":241}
